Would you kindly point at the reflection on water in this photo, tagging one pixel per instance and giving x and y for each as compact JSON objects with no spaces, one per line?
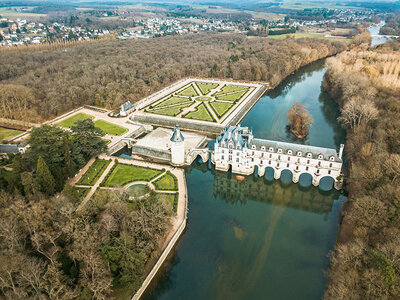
{"x":259,"y":238}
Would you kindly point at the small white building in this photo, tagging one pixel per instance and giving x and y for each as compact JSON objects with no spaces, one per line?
{"x":126,"y":108}
{"x":238,"y":150}
{"x":177,"y":147}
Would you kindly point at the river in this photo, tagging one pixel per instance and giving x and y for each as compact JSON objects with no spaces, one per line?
{"x":260,"y":238}
{"x":377,"y":39}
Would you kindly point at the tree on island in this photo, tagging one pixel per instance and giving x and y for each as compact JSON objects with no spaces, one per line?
{"x":299,"y":120}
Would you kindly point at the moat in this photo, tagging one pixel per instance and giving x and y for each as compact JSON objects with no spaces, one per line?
{"x":259,"y":238}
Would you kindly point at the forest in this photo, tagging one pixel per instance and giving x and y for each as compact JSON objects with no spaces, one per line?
{"x":51,"y":250}
{"x":45,"y":82}
{"x":366,"y":84}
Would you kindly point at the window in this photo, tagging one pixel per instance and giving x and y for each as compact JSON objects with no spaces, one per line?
{"x":263,"y":148}
{"x":306,"y":168}
{"x":329,"y":172}
{"x":230,"y":157}
{"x":230,"y":146}
{"x":279,"y":150}
{"x":279,"y":157}
{"x":271,"y":149}
{"x":270,"y":156}
{"x":320,"y":156}
{"x":262,"y":154}
{"x":238,"y":147}
{"x":252,"y":159}
{"x":299,"y":153}
{"x":317,"y":171}
{"x":319,"y":164}
{"x":269,"y":162}
{"x":297,"y":168}
{"x":222,"y":157}
{"x":253,"y":147}
{"x":289,"y":152}
{"x":308,"y":161}
{"x":298,"y":160}
{"x":288,"y":158}
{"x":252,"y":153}
{"x":237,"y":159}
{"x":287,"y":166}
{"x":330,"y":165}
{"x":277,"y":165}
{"x":332,"y":158}
{"x":309,"y":155}
{"x":230,"y":151}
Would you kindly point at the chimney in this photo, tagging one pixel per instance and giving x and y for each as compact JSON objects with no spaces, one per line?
{"x":341,"y":151}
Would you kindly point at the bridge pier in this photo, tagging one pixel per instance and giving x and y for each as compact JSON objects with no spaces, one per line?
{"x":295,"y":177}
{"x":316,"y":180}
{"x":277,"y":173}
{"x":261,"y":171}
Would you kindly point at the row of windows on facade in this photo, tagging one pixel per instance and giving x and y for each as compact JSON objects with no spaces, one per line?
{"x":271,"y":149}
{"x":279,"y":157}
{"x":277,"y":165}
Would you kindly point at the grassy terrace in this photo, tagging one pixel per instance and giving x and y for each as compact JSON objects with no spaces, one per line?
{"x":189,"y":92}
{"x":171,"y":111}
{"x":171,"y":199}
{"x":234,"y":97}
{"x":201,"y":113}
{"x":220,"y":108}
{"x":109,"y":128}
{"x":122,"y":174}
{"x":6,"y":133}
{"x":205,"y":88}
{"x":82,"y":192}
{"x":94,"y":172}
{"x":168,"y":182}
{"x":230,"y":89}
{"x":69,"y":122}
{"x":170,"y":101}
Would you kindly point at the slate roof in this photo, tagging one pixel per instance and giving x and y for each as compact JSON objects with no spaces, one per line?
{"x":126,"y":106}
{"x":177,"y":135}
{"x":9,"y":148}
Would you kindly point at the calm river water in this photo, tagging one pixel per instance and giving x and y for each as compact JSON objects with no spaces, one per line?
{"x":260,"y":239}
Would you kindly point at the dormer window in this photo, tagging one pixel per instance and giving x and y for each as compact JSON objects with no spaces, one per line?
{"x":230,"y":146}
{"x":253,"y":147}
{"x":263,"y":148}
{"x":223,"y":144}
{"x":238,"y":147}
{"x":279,"y":150}
{"x":332,"y":158}
{"x":271,"y":149}
{"x":289,"y":152}
{"x":299,"y":153}
{"x":320,"y":156}
{"x":309,"y":155}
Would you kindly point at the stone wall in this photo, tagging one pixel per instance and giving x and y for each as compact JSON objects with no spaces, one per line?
{"x":190,"y":125}
{"x":158,"y":154}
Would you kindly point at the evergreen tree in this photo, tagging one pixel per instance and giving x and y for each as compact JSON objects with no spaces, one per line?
{"x":45,"y":179}
{"x":69,"y":165}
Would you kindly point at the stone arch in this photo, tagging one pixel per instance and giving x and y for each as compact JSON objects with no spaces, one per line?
{"x":305,"y":179}
{"x":256,"y":171}
{"x":286,"y":176}
{"x":269,"y":173}
{"x":326,"y":183}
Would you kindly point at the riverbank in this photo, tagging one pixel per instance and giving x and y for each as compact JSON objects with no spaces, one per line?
{"x":365,"y":262}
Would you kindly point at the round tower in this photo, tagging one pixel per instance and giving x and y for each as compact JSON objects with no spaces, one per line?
{"x":177,"y":147}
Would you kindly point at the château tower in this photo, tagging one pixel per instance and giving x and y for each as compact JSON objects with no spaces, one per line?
{"x":177,"y":147}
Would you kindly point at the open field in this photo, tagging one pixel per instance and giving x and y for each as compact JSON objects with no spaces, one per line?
{"x":300,"y":5}
{"x":94,"y":172}
{"x":316,"y":35}
{"x":167,"y":182}
{"x":6,"y":133}
{"x":15,"y":12}
{"x":201,"y":113}
{"x":69,"y":122}
{"x":109,"y":128}
{"x":122,"y":174}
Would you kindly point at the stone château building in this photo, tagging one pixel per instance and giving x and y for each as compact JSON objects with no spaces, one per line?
{"x":238,"y":150}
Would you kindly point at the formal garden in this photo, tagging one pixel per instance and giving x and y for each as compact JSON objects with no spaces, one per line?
{"x":94,"y":172}
{"x":202,"y":101}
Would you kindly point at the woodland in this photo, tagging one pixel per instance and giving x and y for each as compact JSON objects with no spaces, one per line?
{"x":48,"y":81}
{"x":366,"y":84}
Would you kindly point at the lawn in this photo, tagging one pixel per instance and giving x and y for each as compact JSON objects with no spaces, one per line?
{"x":69,"y":122}
{"x":205,"y":88}
{"x":232,"y":97}
{"x":201,"y":113}
{"x":230,"y":89}
{"x":123,"y":174}
{"x":171,"y":199}
{"x":221,"y":108}
{"x":6,"y":133}
{"x":168,"y":182}
{"x":109,"y":128}
{"x":170,"y":101}
{"x":94,"y":172}
{"x":189,"y":92}
{"x":171,"y":111}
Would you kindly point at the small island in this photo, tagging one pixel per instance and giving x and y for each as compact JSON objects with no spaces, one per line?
{"x":299,"y":120}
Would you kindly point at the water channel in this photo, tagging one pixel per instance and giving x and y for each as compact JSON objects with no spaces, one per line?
{"x":259,"y":238}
